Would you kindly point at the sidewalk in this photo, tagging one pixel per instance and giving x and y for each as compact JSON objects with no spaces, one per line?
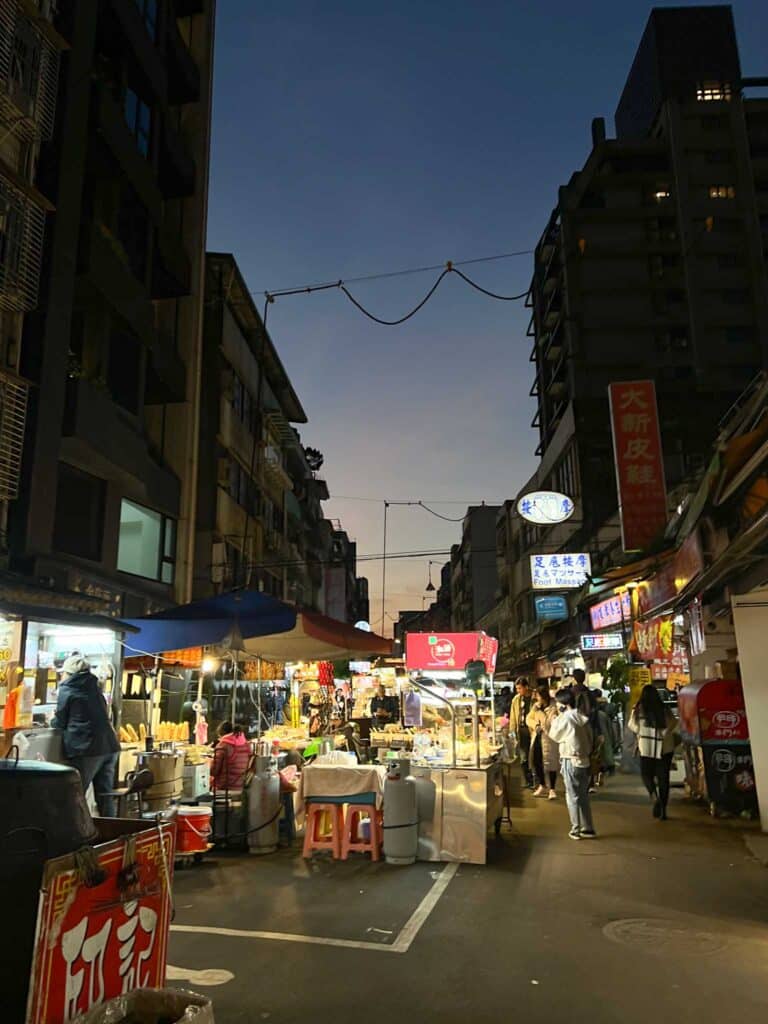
{"x":652,"y":921}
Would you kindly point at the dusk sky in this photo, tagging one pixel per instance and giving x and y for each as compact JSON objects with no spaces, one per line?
{"x":353,"y":138}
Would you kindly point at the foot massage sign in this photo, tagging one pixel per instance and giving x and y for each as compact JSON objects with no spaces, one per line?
{"x":104,"y":936}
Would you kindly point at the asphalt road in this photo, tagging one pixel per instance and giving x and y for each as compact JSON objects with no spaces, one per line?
{"x":651,"y":922}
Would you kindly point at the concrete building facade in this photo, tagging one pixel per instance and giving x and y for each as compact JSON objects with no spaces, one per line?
{"x":109,"y":477}
{"x":473,"y":568}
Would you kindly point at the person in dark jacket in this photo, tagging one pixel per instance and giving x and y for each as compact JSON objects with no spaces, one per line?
{"x":90,"y":743}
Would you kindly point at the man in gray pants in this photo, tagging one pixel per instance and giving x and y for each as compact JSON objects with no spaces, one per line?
{"x":571,"y":730}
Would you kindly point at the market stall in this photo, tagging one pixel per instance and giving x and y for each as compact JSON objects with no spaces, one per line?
{"x":453,"y":744}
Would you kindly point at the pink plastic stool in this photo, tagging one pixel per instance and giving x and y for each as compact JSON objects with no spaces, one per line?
{"x":353,"y":841}
{"x":314,"y":839}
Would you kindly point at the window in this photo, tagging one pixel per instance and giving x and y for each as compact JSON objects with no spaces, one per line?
{"x":124,"y":370}
{"x":133,"y":231}
{"x":722,"y":192}
{"x":735,"y":296}
{"x":79,"y":519}
{"x":138,"y":117}
{"x":661,"y":229}
{"x":717,"y":123}
{"x":147,"y":543}
{"x":25,"y":66}
{"x":739,"y":335}
{"x":728,"y":260}
{"x":708,"y":92}
{"x":148,"y":11}
{"x":672,"y":341}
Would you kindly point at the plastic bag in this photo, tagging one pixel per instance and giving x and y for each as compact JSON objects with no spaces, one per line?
{"x":152,"y":1006}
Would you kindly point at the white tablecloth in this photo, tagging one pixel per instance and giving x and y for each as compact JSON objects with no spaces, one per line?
{"x":341,"y":780}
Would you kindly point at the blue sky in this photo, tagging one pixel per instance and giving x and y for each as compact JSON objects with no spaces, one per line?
{"x":353,"y":138}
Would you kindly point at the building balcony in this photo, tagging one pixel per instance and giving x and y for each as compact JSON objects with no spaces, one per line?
{"x":233,"y":433}
{"x":171,"y":267}
{"x":22,"y":248}
{"x":183,"y":73}
{"x":123,"y":32}
{"x":14,"y":395}
{"x":274,"y":472}
{"x":29,"y":105}
{"x":102,"y":437}
{"x":166,"y":379}
{"x":177,"y":172}
{"x":104,"y":272}
{"x":111,"y":126}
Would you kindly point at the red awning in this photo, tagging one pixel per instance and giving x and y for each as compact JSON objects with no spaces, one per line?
{"x":317,"y":637}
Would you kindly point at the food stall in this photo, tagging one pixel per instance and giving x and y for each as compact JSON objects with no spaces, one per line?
{"x":453,"y":743}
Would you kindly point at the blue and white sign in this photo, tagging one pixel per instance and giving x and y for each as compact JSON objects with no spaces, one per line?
{"x":550,"y":609}
{"x":545,"y":508}
{"x":560,"y":572}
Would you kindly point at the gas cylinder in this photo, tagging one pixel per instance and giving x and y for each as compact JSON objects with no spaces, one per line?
{"x":401,"y":824}
{"x":263,"y":804}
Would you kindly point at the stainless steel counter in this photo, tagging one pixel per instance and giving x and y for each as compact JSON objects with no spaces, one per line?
{"x":457,"y":809}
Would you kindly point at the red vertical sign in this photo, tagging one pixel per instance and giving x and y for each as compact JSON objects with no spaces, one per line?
{"x":639,"y":462}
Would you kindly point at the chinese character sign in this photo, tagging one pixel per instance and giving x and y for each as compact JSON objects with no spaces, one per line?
{"x":550,"y":609}
{"x":612,"y":611}
{"x":602,"y":642}
{"x":639,"y":462}
{"x":95,"y":943}
{"x":560,"y":572}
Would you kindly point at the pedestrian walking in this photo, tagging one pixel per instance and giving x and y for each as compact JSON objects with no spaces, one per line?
{"x":90,"y":743}
{"x":570,"y":729}
{"x":544,"y":758}
{"x":518,"y":726}
{"x":655,"y":727}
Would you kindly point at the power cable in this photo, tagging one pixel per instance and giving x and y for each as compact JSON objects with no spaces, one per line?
{"x":402,"y":319}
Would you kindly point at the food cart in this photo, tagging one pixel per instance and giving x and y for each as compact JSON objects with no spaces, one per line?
{"x":454,"y":760}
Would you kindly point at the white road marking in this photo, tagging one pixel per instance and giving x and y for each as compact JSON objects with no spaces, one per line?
{"x":210,"y":977}
{"x":402,"y":943}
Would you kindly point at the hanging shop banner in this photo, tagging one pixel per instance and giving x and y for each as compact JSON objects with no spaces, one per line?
{"x":637,"y":678}
{"x":639,"y":462}
{"x":550,"y":609}
{"x":449,"y":651}
{"x":560,"y":572}
{"x":654,"y":639}
{"x":545,"y":508}
{"x":673,"y":577}
{"x":612,"y":611}
{"x":602,"y":642}
{"x":99,"y":938}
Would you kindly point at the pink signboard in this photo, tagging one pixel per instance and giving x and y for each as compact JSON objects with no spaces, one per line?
{"x":449,"y":652}
{"x":611,"y":612}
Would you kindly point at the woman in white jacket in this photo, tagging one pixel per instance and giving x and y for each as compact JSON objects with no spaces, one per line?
{"x":545,"y":753}
{"x":655,"y":727}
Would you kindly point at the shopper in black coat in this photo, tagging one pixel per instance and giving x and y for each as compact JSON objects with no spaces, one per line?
{"x":90,"y":743}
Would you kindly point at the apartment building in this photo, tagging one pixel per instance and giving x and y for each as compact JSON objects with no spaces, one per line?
{"x":653,"y":263}
{"x":113,"y":347}
{"x":30,"y":53}
{"x":473,"y":568}
{"x":250,"y":508}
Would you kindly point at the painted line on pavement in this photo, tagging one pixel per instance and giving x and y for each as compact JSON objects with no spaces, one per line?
{"x":402,"y":943}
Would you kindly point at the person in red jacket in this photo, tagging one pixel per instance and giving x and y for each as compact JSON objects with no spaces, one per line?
{"x":230,"y":758}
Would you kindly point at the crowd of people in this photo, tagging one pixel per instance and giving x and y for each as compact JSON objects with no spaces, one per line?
{"x":575,"y":732}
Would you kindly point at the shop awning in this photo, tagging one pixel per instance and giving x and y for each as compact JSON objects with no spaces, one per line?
{"x":63,"y":617}
{"x":317,"y":637}
{"x":227,"y":620}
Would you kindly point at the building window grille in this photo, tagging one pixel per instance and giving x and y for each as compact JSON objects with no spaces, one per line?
{"x":722,"y":192}
{"x":138,"y":117}
{"x":29,"y":70}
{"x":21,"y":243}
{"x":709,"y":92}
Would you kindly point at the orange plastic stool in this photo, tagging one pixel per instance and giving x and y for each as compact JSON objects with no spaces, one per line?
{"x":353,"y":841}
{"x":314,"y":839}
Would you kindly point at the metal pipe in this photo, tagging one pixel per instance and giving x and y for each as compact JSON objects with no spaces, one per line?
{"x":476,"y":728}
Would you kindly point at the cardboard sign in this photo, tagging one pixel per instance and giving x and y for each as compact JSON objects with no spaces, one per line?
{"x":95,"y":943}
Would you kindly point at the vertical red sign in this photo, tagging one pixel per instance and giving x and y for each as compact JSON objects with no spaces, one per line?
{"x":639,"y":462}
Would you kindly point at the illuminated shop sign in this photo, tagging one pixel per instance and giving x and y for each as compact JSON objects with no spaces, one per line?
{"x":545,"y":507}
{"x":560,"y":572}
{"x":602,"y":642}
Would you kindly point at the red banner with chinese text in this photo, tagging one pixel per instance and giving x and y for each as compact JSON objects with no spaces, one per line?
{"x":639,"y":462}
{"x":654,"y":640}
{"x":97,"y":942}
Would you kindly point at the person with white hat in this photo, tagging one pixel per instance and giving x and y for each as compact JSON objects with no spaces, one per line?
{"x":90,"y":743}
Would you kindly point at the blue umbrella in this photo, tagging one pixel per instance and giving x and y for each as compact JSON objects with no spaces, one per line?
{"x":224,"y":620}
